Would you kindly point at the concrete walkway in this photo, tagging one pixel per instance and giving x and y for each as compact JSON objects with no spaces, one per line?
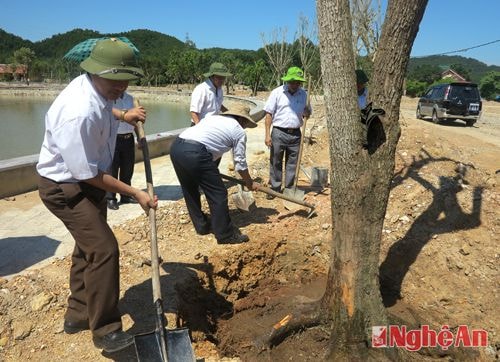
{"x":30,"y":236}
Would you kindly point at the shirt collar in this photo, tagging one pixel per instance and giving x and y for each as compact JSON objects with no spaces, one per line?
{"x":211,"y":85}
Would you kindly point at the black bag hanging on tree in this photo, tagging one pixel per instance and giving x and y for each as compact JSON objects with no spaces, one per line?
{"x":372,"y":125}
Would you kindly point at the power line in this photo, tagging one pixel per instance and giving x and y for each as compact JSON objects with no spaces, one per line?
{"x":459,"y":50}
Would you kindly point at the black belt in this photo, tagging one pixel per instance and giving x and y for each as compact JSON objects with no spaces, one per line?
{"x":125,"y":135}
{"x":193,"y":142}
{"x":287,"y":130}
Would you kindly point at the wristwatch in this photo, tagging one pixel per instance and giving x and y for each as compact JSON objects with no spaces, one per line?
{"x":122,"y":114}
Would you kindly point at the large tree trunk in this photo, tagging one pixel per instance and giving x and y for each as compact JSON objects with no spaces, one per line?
{"x":360,"y":177}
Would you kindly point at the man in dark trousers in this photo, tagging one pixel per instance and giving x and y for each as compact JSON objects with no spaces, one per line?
{"x":124,"y":157}
{"x":74,"y":164}
{"x":194,"y":155}
{"x":285,"y":109}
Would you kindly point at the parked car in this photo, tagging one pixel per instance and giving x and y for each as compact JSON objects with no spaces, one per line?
{"x":497,"y":98}
{"x":450,"y":101}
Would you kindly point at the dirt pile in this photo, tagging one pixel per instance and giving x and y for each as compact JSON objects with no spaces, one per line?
{"x":439,"y":257}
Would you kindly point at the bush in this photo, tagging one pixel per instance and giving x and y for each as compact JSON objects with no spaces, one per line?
{"x":490,"y":85}
{"x":414,"y":88}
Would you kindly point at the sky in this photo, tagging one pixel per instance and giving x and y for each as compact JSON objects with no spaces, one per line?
{"x":448,"y":25}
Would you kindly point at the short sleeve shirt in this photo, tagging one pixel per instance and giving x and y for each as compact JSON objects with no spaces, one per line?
{"x":220,"y":134}
{"x":285,"y":108}
{"x":80,"y":134}
{"x":206,"y":99}
{"x":125,"y":102}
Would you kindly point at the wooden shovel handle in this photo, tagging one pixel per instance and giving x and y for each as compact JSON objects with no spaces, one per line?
{"x":269,"y":191}
{"x":155,"y":265}
{"x":302,"y":136}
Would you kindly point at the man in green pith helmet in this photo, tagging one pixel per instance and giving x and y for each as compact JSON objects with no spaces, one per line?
{"x":285,"y":109}
{"x":74,"y":164}
{"x":208,"y":96}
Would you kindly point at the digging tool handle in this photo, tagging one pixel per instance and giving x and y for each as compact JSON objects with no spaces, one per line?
{"x":301,"y":145}
{"x":155,"y":266}
{"x":269,"y":191}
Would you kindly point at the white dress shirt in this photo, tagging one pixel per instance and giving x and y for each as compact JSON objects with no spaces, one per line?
{"x":219,"y":134}
{"x":206,"y":99}
{"x":285,"y":108}
{"x":125,"y":102}
{"x":80,"y":134}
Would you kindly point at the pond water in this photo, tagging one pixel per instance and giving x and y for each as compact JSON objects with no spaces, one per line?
{"x":22,"y":121}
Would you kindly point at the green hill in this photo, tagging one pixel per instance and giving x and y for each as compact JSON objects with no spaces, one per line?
{"x":10,"y":43}
{"x":476,"y":68}
{"x":160,"y":53}
{"x":149,"y":43}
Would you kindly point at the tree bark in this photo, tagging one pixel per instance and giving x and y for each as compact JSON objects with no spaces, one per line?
{"x":360,"y":177}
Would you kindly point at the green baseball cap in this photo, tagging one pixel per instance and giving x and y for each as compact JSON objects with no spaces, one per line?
{"x":294,"y":73}
{"x":217,"y":69}
{"x":112,"y":59}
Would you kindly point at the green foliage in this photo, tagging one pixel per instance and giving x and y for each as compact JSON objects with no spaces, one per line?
{"x":490,"y":85}
{"x":414,"y":88}
{"x":425,"y":73}
{"x":442,"y":81}
{"x":24,"y":56}
{"x":10,"y":43}
{"x":253,"y":75}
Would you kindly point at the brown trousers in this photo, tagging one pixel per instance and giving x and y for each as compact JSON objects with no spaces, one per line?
{"x":94,"y":276}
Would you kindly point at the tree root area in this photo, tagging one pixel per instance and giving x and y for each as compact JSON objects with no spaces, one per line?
{"x":255,"y":333}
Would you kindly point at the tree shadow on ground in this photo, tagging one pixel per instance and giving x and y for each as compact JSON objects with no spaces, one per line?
{"x":255,"y":215}
{"x":19,"y":253}
{"x":193,"y":299}
{"x":443,"y":215}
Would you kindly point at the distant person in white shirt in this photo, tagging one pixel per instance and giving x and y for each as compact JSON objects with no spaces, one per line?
{"x":207,"y":97}
{"x":194,"y":155}
{"x":361,"y":80}
{"x":75,"y":160}
{"x":122,"y":167}
{"x":285,"y":109}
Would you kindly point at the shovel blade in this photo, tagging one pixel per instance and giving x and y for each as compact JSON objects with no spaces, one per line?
{"x":179,"y":349}
{"x":243,"y":199}
{"x":148,"y":347}
{"x":293,"y":193}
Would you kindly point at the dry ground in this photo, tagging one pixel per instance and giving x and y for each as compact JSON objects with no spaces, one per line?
{"x":440,"y":249}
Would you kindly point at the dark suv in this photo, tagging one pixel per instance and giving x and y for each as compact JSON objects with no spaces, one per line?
{"x":451,"y":101}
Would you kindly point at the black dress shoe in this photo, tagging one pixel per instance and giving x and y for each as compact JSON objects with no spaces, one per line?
{"x":72,"y":327}
{"x":127,"y":200}
{"x":204,"y":231}
{"x":112,"y":205}
{"x":113,"y":341}
{"x":236,"y":238}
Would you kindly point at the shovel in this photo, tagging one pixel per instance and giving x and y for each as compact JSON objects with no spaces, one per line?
{"x":245,"y":205}
{"x":173,"y":345}
{"x":293,"y":192}
{"x":243,"y":199}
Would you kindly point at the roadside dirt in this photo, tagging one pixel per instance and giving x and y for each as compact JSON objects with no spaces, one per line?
{"x":440,"y":247}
